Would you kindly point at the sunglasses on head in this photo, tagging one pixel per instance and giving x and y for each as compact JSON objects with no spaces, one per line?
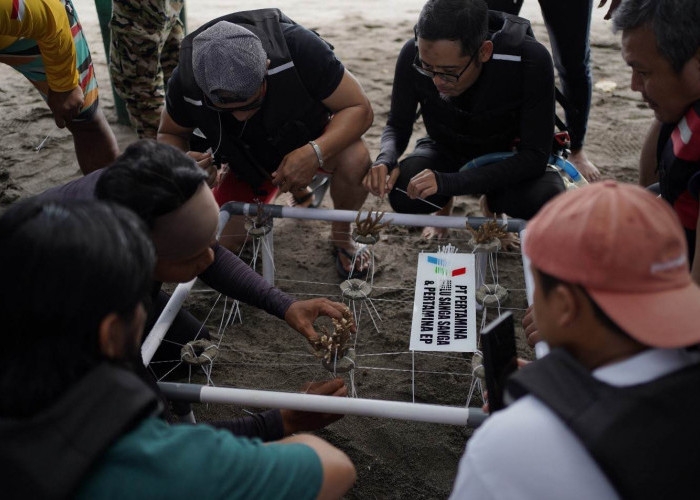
{"x":234,"y":100}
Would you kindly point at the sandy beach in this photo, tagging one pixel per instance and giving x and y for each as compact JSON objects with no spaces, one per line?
{"x":394,"y":459}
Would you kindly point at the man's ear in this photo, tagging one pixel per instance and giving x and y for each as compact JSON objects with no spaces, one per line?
{"x":268,"y":64}
{"x":485,"y":51}
{"x":111,"y":336}
{"x":567,"y":304}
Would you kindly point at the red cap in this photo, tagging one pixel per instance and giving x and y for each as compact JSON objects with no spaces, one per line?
{"x":628,"y":250}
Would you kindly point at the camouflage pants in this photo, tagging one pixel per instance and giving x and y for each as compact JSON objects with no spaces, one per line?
{"x":145,"y":42}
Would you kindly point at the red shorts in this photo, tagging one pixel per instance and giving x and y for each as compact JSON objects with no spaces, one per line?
{"x":233,"y":189}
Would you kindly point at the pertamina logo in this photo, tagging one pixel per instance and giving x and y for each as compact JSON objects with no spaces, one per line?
{"x":441,"y":267}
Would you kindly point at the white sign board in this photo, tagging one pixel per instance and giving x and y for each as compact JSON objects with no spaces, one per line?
{"x":444,"y":312}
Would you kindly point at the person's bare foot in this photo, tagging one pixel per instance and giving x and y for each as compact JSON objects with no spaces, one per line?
{"x":344,"y":257}
{"x":438,"y":233}
{"x":345,"y":249}
{"x":579,"y":160}
{"x":484,"y":206}
{"x":434,"y":233}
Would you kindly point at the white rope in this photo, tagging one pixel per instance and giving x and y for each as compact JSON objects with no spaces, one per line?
{"x":421,"y":199}
{"x":231,"y":312}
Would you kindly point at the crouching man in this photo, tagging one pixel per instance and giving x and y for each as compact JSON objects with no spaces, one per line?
{"x":263,"y":90}
{"x":612,"y":411}
{"x":75,"y":420}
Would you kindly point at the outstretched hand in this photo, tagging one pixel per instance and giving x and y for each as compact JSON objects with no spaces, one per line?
{"x":302,"y":314}
{"x":297,"y":421}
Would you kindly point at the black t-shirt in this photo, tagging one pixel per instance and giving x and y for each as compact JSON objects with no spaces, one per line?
{"x":531,"y":83}
{"x":315,"y":62}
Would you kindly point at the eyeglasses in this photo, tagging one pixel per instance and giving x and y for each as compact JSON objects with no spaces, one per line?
{"x":445,"y":77}
{"x":248,"y":107}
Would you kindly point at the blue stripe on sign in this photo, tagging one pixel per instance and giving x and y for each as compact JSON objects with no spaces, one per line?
{"x":436,"y":261}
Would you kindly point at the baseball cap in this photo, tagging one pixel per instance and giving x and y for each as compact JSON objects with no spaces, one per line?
{"x":627,"y":249}
{"x":228,"y":58}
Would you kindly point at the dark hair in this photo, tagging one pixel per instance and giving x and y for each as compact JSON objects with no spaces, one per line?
{"x":465,"y":21}
{"x":549,"y":282}
{"x":65,"y":266}
{"x":675,"y":23}
{"x":150,"y":178}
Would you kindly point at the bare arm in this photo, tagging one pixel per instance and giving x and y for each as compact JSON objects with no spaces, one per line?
{"x":648,"y":173}
{"x":338,"y":470}
{"x":352,"y":116}
{"x":171,"y":133}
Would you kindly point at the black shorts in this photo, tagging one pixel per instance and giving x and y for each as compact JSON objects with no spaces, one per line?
{"x":521,"y":200}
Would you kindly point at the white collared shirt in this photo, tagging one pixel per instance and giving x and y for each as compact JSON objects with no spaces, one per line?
{"x":526,"y":452}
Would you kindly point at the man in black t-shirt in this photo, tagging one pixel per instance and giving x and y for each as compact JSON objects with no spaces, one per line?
{"x":484,"y":85}
{"x":263,"y":90}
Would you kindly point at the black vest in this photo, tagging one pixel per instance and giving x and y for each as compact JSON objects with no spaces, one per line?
{"x":55,"y":450}
{"x":291,"y":117}
{"x":487,"y":128}
{"x":645,"y":437}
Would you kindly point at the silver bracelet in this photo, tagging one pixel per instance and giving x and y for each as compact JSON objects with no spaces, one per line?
{"x":317,"y":150}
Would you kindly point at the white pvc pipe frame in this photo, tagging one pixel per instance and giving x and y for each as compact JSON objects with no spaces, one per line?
{"x":308,"y":402}
{"x":279,"y":211}
{"x":450,"y":415}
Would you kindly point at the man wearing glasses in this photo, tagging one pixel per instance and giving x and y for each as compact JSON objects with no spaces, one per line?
{"x":484,"y":85}
{"x":262,"y":90}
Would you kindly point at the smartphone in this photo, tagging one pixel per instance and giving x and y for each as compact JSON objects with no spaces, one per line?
{"x":500,"y":359}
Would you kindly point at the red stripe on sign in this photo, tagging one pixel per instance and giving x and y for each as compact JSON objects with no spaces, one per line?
{"x":686,"y":137}
{"x":15,"y":9}
{"x":460,"y":271}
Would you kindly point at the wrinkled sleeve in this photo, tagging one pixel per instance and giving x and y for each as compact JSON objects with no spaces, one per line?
{"x":267,"y":425}
{"x":46,"y":22}
{"x":232,"y":277}
{"x":402,"y":114}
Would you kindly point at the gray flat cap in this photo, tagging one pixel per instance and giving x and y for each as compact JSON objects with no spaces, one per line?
{"x":228,"y":58}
